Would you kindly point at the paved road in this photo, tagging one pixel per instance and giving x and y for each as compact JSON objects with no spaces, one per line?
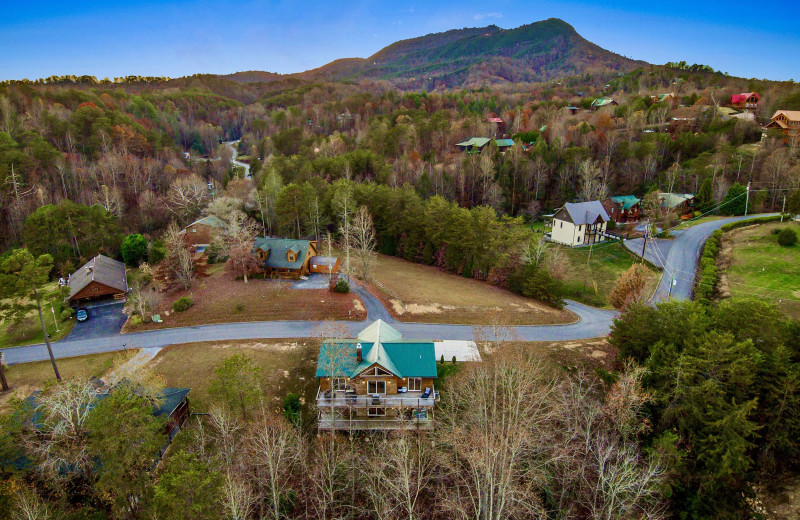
{"x":233,"y":149}
{"x":682,"y":257}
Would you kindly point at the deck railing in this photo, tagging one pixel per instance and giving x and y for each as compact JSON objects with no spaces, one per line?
{"x":339,"y":423}
{"x":342,"y":399}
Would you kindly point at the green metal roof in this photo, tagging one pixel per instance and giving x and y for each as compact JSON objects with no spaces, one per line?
{"x":478,"y":142}
{"x":381,"y":345}
{"x":671,"y":200}
{"x":627,"y":201}
{"x":601,"y":102}
{"x":504,"y":142}
{"x":170,"y":398}
{"x":209,"y":221}
{"x":278,"y":247}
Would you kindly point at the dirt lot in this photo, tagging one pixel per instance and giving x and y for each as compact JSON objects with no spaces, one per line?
{"x":27,"y":377}
{"x":219,"y":298}
{"x":420,"y":293}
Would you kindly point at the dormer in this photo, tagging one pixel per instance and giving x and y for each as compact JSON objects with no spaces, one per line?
{"x":291,"y":254}
{"x":263,"y":252}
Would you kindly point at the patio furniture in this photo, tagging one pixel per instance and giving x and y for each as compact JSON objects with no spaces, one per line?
{"x":402,"y":390}
{"x":427,"y":393}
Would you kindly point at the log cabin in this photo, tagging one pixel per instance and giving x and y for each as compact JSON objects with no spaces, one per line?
{"x":376,"y":381}
{"x":788,"y":121}
{"x":623,"y":208}
{"x":99,"y":277}
{"x":200,"y":232}
{"x":285,"y":257}
{"x":746,"y":101}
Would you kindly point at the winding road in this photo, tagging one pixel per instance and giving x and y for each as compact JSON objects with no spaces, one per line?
{"x":681,"y":258}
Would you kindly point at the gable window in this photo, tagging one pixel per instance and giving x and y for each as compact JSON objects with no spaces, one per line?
{"x":339,"y":383}
{"x":376,"y":412}
{"x":376,"y":387}
{"x":375,"y":371}
{"x":414,"y":384}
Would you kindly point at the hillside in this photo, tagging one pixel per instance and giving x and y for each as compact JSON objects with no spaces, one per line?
{"x":538,"y":51}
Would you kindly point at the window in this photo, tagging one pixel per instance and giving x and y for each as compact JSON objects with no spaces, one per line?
{"x":376,"y":412}
{"x":579,"y":228}
{"x":561,"y":224}
{"x":375,"y":371}
{"x":339,"y":383}
{"x":579,"y":239}
{"x":376,"y":387}
{"x":414,"y":384}
{"x":194,"y":230}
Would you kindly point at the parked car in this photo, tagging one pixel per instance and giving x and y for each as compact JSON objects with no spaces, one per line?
{"x":82,"y":315}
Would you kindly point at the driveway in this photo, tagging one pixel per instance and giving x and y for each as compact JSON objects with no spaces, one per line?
{"x":105,"y":319}
{"x":315,"y":281}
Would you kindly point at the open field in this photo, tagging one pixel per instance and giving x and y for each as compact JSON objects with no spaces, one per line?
{"x":30,"y":331}
{"x":420,"y":293}
{"x":27,"y":377}
{"x":219,"y":298}
{"x":758,"y":266}
{"x":287,"y":366}
{"x":589,"y":280}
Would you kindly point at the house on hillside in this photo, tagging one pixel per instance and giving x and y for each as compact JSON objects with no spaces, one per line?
{"x":99,"y":277}
{"x":376,"y":381}
{"x":578,"y":224}
{"x":285,"y":257}
{"x":603,"y":102}
{"x":623,"y":208}
{"x":473,"y":145}
{"x":200,"y":232}
{"x":684,"y":119}
{"x":746,"y":101}
{"x":504,"y":144}
{"x":500,"y":125}
{"x":680,"y":203}
{"x":663,"y":98}
{"x":788,"y":121}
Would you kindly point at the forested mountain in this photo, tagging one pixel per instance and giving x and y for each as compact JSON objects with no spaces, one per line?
{"x":471,"y":56}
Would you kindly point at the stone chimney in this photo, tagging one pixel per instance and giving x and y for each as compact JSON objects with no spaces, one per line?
{"x":358,"y":352}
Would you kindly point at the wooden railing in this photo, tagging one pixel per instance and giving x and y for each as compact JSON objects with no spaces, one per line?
{"x":339,"y":423}
{"x":342,"y":399}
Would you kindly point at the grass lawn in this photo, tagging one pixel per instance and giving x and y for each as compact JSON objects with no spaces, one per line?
{"x":219,"y":298}
{"x":589,"y":280}
{"x":420,"y":293}
{"x":27,"y":377}
{"x":31,"y":329}
{"x":287,"y":366}
{"x":760,"y":267}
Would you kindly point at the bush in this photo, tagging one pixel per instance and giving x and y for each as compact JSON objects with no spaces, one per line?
{"x":135,"y":320}
{"x":441,"y":360}
{"x":291,"y":408}
{"x":342,"y":287}
{"x":239,"y":306}
{"x":454,"y":360}
{"x":182,"y":303}
{"x":537,"y":283}
{"x":787,"y":237}
{"x":66,"y":313}
{"x":215,"y":253}
{"x":134,"y":249}
{"x":611,"y":226}
{"x":157,"y":252}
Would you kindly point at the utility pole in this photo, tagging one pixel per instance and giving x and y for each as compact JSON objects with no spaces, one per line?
{"x":747,"y":199}
{"x":644,"y":245}
{"x":783,"y":208}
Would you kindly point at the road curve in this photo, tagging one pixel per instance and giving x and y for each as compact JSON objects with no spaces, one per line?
{"x":592,"y":322}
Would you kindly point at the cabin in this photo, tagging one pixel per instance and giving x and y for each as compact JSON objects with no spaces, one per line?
{"x":663,"y":98}
{"x":573,"y":110}
{"x":578,"y":224}
{"x":200,"y":232}
{"x":746,"y":101}
{"x":174,"y":406}
{"x":285,"y":257}
{"x":473,"y":145}
{"x":324,"y":264}
{"x":504,"y":144}
{"x":684,"y":119}
{"x":376,"y":381}
{"x":623,"y":208}
{"x":599,"y":103}
{"x":788,"y":121}
{"x":680,"y":203}
{"x":100,"y":277}
{"x":500,"y":125}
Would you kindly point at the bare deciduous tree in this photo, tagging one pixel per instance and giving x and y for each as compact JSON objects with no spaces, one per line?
{"x":180,"y":258}
{"x":362,"y":238}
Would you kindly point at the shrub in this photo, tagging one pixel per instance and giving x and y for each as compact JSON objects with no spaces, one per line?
{"x":454,"y":360}
{"x":612,"y":225}
{"x":135,"y":320}
{"x":182,"y":303}
{"x":342,"y":287}
{"x":291,"y":408}
{"x":239,"y":306}
{"x":66,"y":313}
{"x":134,"y":249}
{"x":629,"y":287}
{"x":441,"y":360}
{"x":787,"y":237}
{"x":536,"y":282}
{"x":157,"y":252}
{"x":215,"y":252}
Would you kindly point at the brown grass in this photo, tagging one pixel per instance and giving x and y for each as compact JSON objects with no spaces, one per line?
{"x":420,"y":293}
{"x":27,"y":377}
{"x":219,"y":298}
{"x":287,"y":366}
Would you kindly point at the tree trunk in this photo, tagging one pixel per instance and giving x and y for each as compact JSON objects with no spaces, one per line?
{"x":44,"y":330}
{"x":3,"y":381}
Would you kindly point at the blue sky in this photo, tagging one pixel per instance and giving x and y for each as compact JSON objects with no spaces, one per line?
{"x":177,"y":38}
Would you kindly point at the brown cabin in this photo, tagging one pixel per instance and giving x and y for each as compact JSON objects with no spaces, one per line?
{"x":100,"y":276}
{"x":200,"y":232}
{"x":285,"y":257}
{"x":324,"y":264}
{"x":788,"y":121}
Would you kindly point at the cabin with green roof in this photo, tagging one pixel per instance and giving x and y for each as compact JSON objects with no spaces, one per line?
{"x":285,"y":257}
{"x":376,"y":381}
{"x":623,"y":208}
{"x":473,"y":145}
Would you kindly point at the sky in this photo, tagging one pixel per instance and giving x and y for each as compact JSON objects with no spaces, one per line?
{"x":177,"y":38}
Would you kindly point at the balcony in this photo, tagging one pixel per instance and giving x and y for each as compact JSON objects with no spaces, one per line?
{"x":343,"y":399}
{"x":375,"y":423}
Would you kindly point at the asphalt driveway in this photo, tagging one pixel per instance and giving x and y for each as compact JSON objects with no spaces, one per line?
{"x":105,"y":319}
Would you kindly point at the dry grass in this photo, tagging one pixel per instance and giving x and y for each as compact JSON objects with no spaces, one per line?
{"x":27,"y":377}
{"x":287,"y":366}
{"x":420,"y":293}
{"x":219,"y":298}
